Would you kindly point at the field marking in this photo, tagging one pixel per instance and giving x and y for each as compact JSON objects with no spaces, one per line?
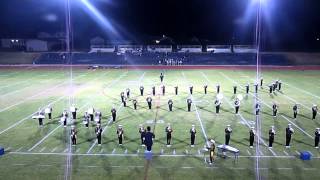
{"x":18,"y":90}
{"x":306,"y":92}
{"x":44,"y":138}
{"x":19,"y":149}
{"x":42,"y":149}
{"x":78,"y":150}
{"x":51,"y":132}
{"x":54,"y":149}
{"x":113,"y":151}
{"x":119,"y":108}
{"x":303,"y":131}
{"x":197,"y":113}
{"x":36,"y":95}
{"x":142,"y":155}
{"x":240,"y":115}
{"x":297,"y":152}
{"x":28,"y":117}
{"x":288,"y":97}
{"x":285,"y":152}
{"x":249,"y":152}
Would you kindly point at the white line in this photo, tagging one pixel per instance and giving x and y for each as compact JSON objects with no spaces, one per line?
{"x":268,"y":106}
{"x":140,"y":155}
{"x":243,"y":119}
{"x":297,"y":152}
{"x":54,"y":149}
{"x":42,"y":149}
{"x":36,"y":95}
{"x":198,"y":115}
{"x":113,"y":151}
{"x":260,"y":152}
{"x":78,"y":150}
{"x":284,"y":168}
{"x":138,"y":151}
{"x":28,"y":117}
{"x":101,"y":151}
{"x":44,"y":138}
{"x":126,"y":151}
{"x":174,"y":152}
{"x":303,"y":90}
{"x":310,"y":153}
{"x":285,"y":152}
{"x":66,"y":151}
{"x":249,"y":152}
{"x":19,"y":149}
{"x":118,"y":109}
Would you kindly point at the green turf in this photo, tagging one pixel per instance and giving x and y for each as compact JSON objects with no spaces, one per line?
{"x":39,"y":153}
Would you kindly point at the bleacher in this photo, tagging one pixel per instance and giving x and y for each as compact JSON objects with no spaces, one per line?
{"x":154,"y":58}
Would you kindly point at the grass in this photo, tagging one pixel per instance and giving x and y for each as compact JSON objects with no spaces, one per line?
{"x":41,"y":153}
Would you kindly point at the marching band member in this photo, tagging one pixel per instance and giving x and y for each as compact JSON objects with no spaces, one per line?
{"x":193,"y":133}
{"x":252,"y":133}
{"x":279,"y":85}
{"x":256,"y":87}
{"x":91,"y":112}
{"x":128,"y":92}
{"x":124,"y":102}
{"x":149,"y":138}
{"x":228,"y":132}
{"x":86,"y":119}
{"x":211,"y":148}
{"x":314,"y":111}
{"x":270,"y":88}
{"x":295,"y":110}
{"x":218,"y":88}
{"x":176,"y":90}
{"x":40,"y":117}
{"x":142,"y":132}
{"x":149,"y":101}
{"x":191,"y":89}
{"x":237,"y":105}
{"x":217,"y":103}
{"x":205,"y":88}
{"x":274,"y":86}
{"x":316,"y":138}
{"x":73,"y":135}
{"x":48,"y":111}
{"x":73,"y":111}
{"x":170,"y":104}
{"x":189,"y":102}
{"x":97,"y":117}
{"x":153,"y":90}
{"x":272,"y":133}
{"x":163,"y":90}
{"x":234,"y":89}
{"x":289,"y":132}
{"x":114,"y":114}
{"x":120,"y":134}
{"x":161,"y":77}
{"x":98,"y":131}
{"x":122,"y":96}
{"x":141,"y":90}
{"x":247,"y":88}
{"x":135,"y":104}
{"x":261,"y":83}
{"x":169,"y":133}
{"x":274,"y":109}
{"x":257,"y":108}
{"x":64,"y":118}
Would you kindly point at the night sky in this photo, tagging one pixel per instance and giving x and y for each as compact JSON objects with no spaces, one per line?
{"x":287,"y":24}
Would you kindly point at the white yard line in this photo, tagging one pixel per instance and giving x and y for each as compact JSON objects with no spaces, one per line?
{"x":51,"y":132}
{"x":44,"y":138}
{"x":54,"y":149}
{"x":285,"y":152}
{"x":303,"y":131}
{"x":119,"y":108}
{"x":306,"y":92}
{"x":36,"y":95}
{"x":240,"y":115}
{"x":28,"y":117}
{"x":197,"y":112}
{"x":42,"y":149}
{"x":141,"y":155}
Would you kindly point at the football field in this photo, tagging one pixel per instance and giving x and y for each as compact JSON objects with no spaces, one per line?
{"x":34,"y":152}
